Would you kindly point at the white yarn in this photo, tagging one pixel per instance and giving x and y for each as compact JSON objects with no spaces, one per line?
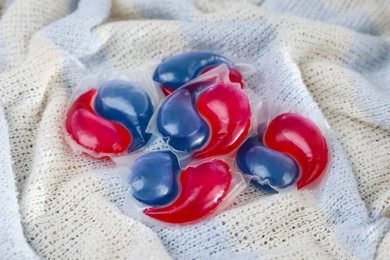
{"x":322,"y":56}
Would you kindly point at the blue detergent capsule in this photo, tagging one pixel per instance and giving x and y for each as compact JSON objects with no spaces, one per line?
{"x":178,"y":69}
{"x":178,"y":122}
{"x":153,"y":178}
{"x":277,"y":168}
{"x":128,"y":105}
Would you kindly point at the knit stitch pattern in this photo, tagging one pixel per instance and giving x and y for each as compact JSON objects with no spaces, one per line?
{"x":330,"y":60}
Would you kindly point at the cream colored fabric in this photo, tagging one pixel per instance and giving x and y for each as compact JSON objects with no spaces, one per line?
{"x":325,"y":58}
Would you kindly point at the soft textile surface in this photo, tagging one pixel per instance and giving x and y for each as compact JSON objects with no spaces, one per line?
{"x":330,"y":58}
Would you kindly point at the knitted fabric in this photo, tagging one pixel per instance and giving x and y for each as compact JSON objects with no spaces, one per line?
{"x":328,"y":58}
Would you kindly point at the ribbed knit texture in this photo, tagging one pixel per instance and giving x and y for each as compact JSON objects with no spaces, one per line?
{"x":329,"y":58}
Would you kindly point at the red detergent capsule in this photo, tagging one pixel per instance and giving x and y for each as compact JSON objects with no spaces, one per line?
{"x":202,"y":189}
{"x":301,"y":139}
{"x":227,"y":111}
{"x":166,"y":90}
{"x":176,"y":70}
{"x":92,"y":131}
{"x":234,"y":75}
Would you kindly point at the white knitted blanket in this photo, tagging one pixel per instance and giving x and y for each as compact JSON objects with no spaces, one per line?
{"x":331,"y":57}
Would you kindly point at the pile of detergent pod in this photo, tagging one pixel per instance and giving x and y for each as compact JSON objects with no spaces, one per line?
{"x":200,"y":106}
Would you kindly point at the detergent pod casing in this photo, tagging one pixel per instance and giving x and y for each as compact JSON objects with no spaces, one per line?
{"x":208,"y":117}
{"x":108,"y":113}
{"x":161,"y":193}
{"x":176,"y":70}
{"x":290,"y":149}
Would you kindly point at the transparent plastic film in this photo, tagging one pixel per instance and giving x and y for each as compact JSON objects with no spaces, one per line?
{"x":161,"y":193}
{"x":291,"y":147}
{"x":208,"y":117}
{"x":108,"y":113}
{"x":176,"y":70}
